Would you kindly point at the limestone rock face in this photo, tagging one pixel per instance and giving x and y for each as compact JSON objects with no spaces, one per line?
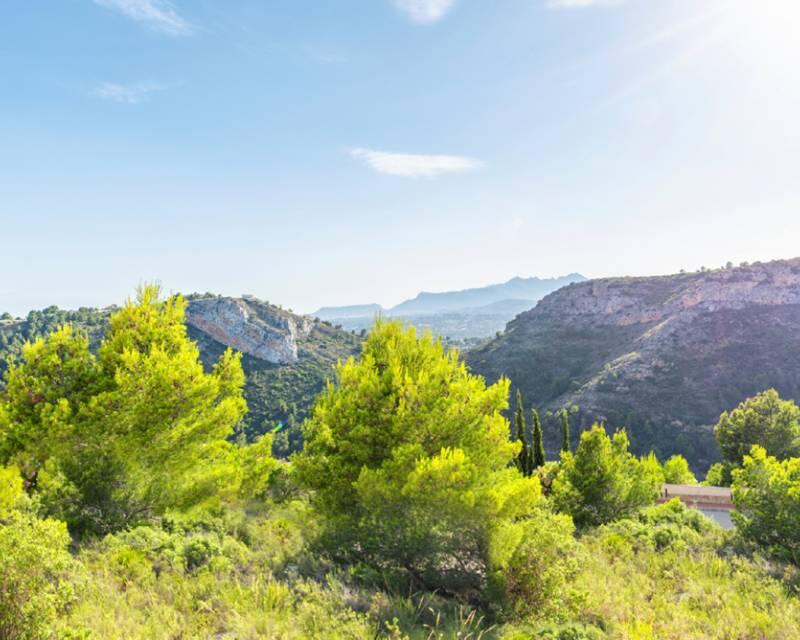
{"x":269,"y":335}
{"x":628,"y":301}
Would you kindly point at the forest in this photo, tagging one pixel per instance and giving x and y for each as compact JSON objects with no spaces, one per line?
{"x":132,"y":504}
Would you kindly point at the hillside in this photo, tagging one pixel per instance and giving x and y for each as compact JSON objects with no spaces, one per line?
{"x":286,"y":358}
{"x":459,"y":316}
{"x":662,"y":355}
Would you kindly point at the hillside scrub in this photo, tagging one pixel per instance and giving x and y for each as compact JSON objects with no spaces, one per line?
{"x":128,"y":510}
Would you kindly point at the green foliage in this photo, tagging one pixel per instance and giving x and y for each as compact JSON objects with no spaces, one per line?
{"x":675,"y":582}
{"x":676,"y":471}
{"x":275,"y":394}
{"x":36,"y":570}
{"x":667,"y":526}
{"x":110,"y":441}
{"x":766,"y":492}
{"x":411,"y":475}
{"x":537,"y":447}
{"x":566,"y":445}
{"x":408,"y":455}
{"x":718,"y":475}
{"x":764,"y":420}
{"x":535,"y":566}
{"x":524,"y":457}
{"x":602,"y":481}
{"x":12,"y":495}
{"x":38,"y":324}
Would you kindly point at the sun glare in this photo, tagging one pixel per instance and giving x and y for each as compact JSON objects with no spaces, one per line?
{"x":769,"y":30}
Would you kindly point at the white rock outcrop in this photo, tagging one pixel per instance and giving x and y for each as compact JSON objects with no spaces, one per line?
{"x":248,"y":328}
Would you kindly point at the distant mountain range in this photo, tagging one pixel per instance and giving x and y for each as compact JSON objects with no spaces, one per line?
{"x":471,"y":313}
{"x":663,"y":356}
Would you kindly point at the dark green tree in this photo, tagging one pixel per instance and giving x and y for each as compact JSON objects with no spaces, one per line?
{"x":565,"y":441}
{"x":602,"y":481}
{"x":523,"y":461}
{"x":765,"y":420}
{"x":537,"y":456}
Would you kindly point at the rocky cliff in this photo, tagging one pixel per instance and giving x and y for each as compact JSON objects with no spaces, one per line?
{"x":663,"y":356}
{"x":247,"y":326}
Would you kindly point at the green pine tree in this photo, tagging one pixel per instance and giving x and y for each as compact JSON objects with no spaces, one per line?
{"x":524,"y":453}
{"x":537,"y":457}
{"x":565,"y":443}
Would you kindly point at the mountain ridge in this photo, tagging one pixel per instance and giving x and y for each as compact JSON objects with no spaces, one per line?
{"x":662,"y":355}
{"x":516,"y":288}
{"x":466,"y":315}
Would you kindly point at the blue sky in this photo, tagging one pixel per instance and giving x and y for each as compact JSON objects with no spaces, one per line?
{"x":320,"y":152}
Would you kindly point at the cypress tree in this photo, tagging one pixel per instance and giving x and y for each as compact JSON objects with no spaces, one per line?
{"x":565,"y":444}
{"x":524,"y":454}
{"x":537,"y":457}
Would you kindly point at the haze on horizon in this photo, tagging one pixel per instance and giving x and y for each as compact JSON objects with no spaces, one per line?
{"x":317,"y":155}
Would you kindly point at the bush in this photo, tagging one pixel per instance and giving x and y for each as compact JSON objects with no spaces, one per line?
{"x":676,"y":471}
{"x":409,"y":459}
{"x":602,"y":481}
{"x":763,"y":420}
{"x":36,"y":576}
{"x":766,"y":492}
{"x":535,"y":566}
{"x":667,"y":526}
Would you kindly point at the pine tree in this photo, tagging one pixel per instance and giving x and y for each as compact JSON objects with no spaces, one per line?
{"x":524,"y":454}
{"x":537,"y":457}
{"x":565,"y":443}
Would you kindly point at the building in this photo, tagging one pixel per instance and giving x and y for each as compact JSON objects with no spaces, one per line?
{"x":714,"y":502}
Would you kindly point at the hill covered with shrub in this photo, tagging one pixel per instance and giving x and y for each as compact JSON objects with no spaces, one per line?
{"x":286,"y":358}
{"x":663,"y":356}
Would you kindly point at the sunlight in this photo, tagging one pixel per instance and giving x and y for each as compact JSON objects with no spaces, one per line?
{"x":767,"y":30}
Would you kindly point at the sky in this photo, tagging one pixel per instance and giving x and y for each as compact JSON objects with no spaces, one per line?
{"x":333,"y":152}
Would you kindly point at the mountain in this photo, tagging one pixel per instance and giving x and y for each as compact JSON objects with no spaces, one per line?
{"x":286,"y":358}
{"x":353,"y":311}
{"x":531,"y":289}
{"x":458,"y":315}
{"x":663,"y":356}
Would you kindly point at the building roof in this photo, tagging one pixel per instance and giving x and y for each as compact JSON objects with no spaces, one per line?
{"x":696,"y":491}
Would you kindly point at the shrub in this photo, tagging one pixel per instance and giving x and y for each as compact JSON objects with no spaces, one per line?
{"x":36,"y":576}
{"x":534,"y":568}
{"x":766,"y":492}
{"x":409,"y":459}
{"x":602,"y":481}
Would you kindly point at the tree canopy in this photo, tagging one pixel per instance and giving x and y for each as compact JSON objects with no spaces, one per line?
{"x":110,"y":440}
{"x":764,"y":420}
{"x":603,"y":481}
{"x":766,"y":492}
{"x":410,"y":460}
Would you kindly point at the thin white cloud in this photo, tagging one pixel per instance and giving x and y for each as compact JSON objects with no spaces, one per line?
{"x":412,"y":165}
{"x":158,"y":15}
{"x":581,"y":4}
{"x":425,"y":11}
{"x":126,"y":93}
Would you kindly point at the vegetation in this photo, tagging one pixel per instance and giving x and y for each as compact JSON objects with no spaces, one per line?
{"x":767,"y":496}
{"x":279,"y":397}
{"x":630,"y":353}
{"x":764,"y":420}
{"x":132,"y":508}
{"x":602,"y":481}
{"x":411,"y":465}
{"x":676,"y":471}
